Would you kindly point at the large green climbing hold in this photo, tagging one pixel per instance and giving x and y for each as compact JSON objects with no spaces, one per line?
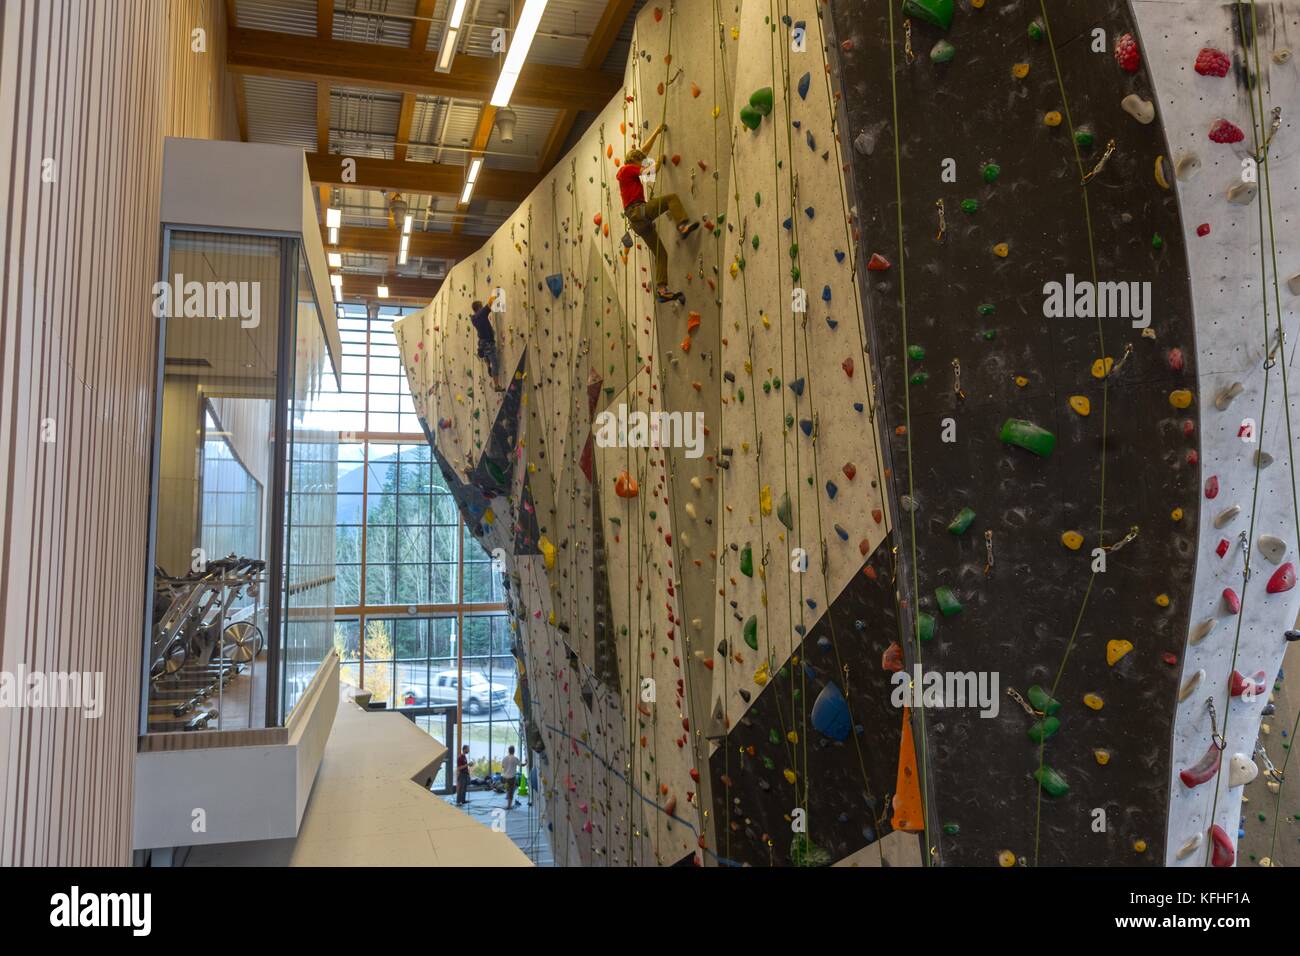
{"x":937,"y":12}
{"x":747,"y":561}
{"x":495,"y":471}
{"x":761,"y":101}
{"x":925,"y":626}
{"x":959,"y":524}
{"x":783,"y":511}
{"x":1051,"y":781}
{"x":1042,"y":701}
{"x":751,"y":632}
{"x":915,"y":352}
{"x":1042,"y":729}
{"x":1027,"y":435}
{"x":948,"y":603}
{"x":1037,"y":30}
{"x":750,"y":117}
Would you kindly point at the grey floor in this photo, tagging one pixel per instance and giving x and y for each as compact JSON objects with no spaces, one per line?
{"x":525,"y":825}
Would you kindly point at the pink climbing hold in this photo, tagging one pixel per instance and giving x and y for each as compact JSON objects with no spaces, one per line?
{"x":1283,"y":579}
{"x":1212,"y":487}
{"x":1126,"y":53}
{"x":1224,"y":855}
{"x":1225,"y":132}
{"x":1176,"y":359}
{"x":878,"y":263}
{"x":1232,"y":601}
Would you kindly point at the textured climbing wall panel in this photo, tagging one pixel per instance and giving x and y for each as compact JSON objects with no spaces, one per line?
{"x":992,"y":403}
{"x":1233,"y":265}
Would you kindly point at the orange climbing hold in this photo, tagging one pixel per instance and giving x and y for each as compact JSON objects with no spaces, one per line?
{"x":625,"y":486}
{"x":907,"y":791}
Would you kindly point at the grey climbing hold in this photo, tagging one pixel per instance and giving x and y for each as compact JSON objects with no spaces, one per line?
{"x":1227,"y":516}
{"x":1272,"y":547}
{"x":1262,"y":458}
{"x":1243,"y":194}
{"x":1188,"y":165}
{"x":1293,"y":284}
{"x":1144,"y":111}
{"x":1226,"y":396}
{"x":1201,"y":630}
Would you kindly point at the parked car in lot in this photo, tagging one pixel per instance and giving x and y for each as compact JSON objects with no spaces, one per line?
{"x":478,"y":696}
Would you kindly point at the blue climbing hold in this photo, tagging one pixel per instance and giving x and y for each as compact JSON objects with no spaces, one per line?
{"x":806,"y":425}
{"x":812,"y":143}
{"x":797,"y":386}
{"x":805,"y":81}
{"x":858,"y":406}
{"x":556,"y":284}
{"x":789,"y":224}
{"x":800,"y":630}
{"x":860,"y":626}
{"x":830,"y":713}
{"x":844,"y":535}
{"x":824,"y":643}
{"x":832,"y":490}
{"x":833,"y":323}
{"x":809,"y":212}
{"x":826,"y":293}
{"x":812,"y":605}
{"x":839,"y":255}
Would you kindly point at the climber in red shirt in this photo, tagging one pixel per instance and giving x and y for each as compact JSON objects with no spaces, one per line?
{"x":642,"y":213}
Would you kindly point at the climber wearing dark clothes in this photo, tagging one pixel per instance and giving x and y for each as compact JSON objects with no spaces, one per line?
{"x":487,"y":345}
{"x":642,"y":213}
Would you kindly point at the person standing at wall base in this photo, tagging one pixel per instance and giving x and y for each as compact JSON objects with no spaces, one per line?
{"x":509,"y":771}
{"x":462,"y":775}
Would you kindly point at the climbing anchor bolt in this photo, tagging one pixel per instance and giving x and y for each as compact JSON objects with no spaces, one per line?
{"x":943,"y":221}
{"x":1132,"y":533}
{"x":1262,"y":155}
{"x":1110,"y":148}
{"x":1216,"y":737}
{"x":988,"y":551}
{"x":1269,"y":768}
{"x":1024,"y":704}
{"x":1243,"y":541}
{"x":907,"y":41}
{"x":956,"y":375}
{"x":1128,"y":350}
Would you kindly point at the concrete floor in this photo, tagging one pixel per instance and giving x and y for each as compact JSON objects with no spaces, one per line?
{"x":525,"y":825}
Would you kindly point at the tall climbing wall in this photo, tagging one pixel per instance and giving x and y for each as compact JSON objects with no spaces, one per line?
{"x":672,"y":727}
{"x":1061,"y":468}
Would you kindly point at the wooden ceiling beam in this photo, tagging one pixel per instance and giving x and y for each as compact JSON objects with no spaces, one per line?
{"x":425,"y":245}
{"x":432,"y":179}
{"x":400,"y":288}
{"x":419,"y":40}
{"x":267,"y":53}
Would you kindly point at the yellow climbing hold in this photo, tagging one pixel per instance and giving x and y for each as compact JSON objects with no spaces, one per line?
{"x":1006,"y":859}
{"x":977,"y":4}
{"x":1081,"y":405}
{"x":1176,"y":514}
{"x":1072,"y":540}
{"x":1117,"y":649}
{"x":1093,"y":701}
{"x":790,"y":776}
{"x":1161,"y":179}
{"x":717,"y":111}
{"x":1180,"y":398}
{"x":1053,"y":118}
{"x":1101,"y":756}
{"x":1101,"y":368}
{"x":1001,"y":250}
{"x":550,"y":619}
{"x":548,"y":551}
{"x":760,"y":675}
{"x":735,"y":33}
{"x":1140,"y":846}
{"x":1021,"y":381}
{"x":765,"y":500}
{"x":1162,"y":600}
{"x":792,"y":736}
{"x":1020,"y":70}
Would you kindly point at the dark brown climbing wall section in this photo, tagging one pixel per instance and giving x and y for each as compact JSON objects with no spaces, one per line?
{"x":843,"y":732}
{"x":1017,"y":619}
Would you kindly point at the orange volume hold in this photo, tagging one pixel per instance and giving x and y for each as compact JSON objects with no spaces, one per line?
{"x":907,"y":792}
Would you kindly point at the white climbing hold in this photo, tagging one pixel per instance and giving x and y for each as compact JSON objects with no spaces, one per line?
{"x":690,"y":509}
{"x":1144,"y":111}
{"x":1226,"y":396}
{"x":1272,"y":547}
{"x":1241,"y":770}
{"x":1243,"y":194}
{"x":1192,"y":683}
{"x":1200,"y":631}
{"x":1227,"y":515}
{"x":1190,"y":847}
{"x":1188,"y":165}
{"x":1293,"y":284}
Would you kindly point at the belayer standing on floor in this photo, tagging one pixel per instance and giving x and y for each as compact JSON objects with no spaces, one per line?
{"x":487,"y":340}
{"x":642,"y":213}
{"x":509,"y":772}
{"x":462,"y":775}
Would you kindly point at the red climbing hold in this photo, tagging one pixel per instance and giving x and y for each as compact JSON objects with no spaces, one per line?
{"x":1283,"y":579}
{"x":892,"y":659}
{"x":1126,"y":53}
{"x":1232,"y":601}
{"x":876,"y":516}
{"x":1175,"y":357}
{"x":1203,"y":769}
{"x":1212,"y":487}
{"x":878,"y":263}
{"x":850,"y":470}
{"x":1222,"y":548}
{"x":659,"y":14}
{"x":1203,"y":230}
{"x":847,"y":365}
{"x":1239,"y":685}
{"x":1225,"y":132}
{"x":846,"y":46}
{"x":1212,"y":62}
{"x":1189,"y":428}
{"x":1169,"y":658}
{"x":677,"y":159}
{"x":1224,"y":855}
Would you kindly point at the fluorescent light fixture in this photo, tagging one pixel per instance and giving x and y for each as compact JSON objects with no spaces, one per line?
{"x":333,"y":217}
{"x":405,"y":243}
{"x":529,"y":20}
{"x":457,"y":14}
{"x":382,"y":292}
{"x":468,"y":191}
{"x":475,"y":165}
{"x":403,"y":250}
{"x":336,"y":279}
{"x":335,"y":259}
{"x":401,"y":258}
{"x":406,"y":224}
{"x":334,"y":235}
{"x":448,"y":50}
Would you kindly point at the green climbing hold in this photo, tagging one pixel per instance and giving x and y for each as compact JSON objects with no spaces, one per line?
{"x":962,"y":522}
{"x":751,"y":632}
{"x":990,"y":172}
{"x":1027,"y":435}
{"x":920,"y":378}
{"x":925,"y":626}
{"x":794,"y":249}
{"x":948,"y":603}
{"x":1042,"y":701}
{"x":970,"y":206}
{"x":750,"y":117}
{"x":1042,"y":729}
{"x":990,"y":335}
{"x":754,"y":242}
{"x":772,"y":736}
{"x":1083,"y":137}
{"x":495,"y":471}
{"x":1051,"y":781}
{"x":758,"y":199}
{"x":915,"y":353}
{"x":761,"y":101}
{"x":936,"y":12}
{"x":740,"y":393}
{"x":952,"y":829}
{"x":783,"y":511}
{"x":1036,"y":30}
{"x":1157,"y":241}
{"x":988,"y":308}
{"x":747,"y":561}
{"x":942,"y":52}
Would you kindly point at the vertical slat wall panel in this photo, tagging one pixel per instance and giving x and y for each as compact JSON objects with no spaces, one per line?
{"x":94,"y":85}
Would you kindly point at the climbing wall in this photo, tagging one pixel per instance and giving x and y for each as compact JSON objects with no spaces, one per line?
{"x":1239,"y":223}
{"x":1006,"y":424}
{"x":673,"y":729}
